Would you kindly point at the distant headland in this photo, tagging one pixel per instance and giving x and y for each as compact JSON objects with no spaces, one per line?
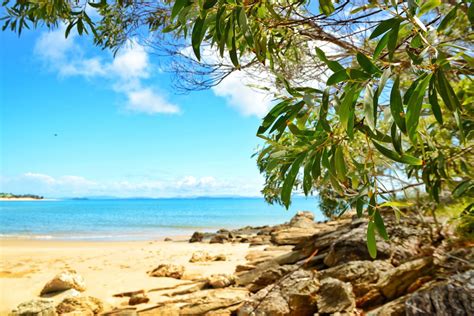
{"x":19,"y":197}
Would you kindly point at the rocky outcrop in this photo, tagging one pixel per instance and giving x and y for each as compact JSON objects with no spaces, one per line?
{"x":87,"y":305}
{"x":219,"y":238}
{"x":168,"y":270}
{"x":218,"y":281}
{"x":138,"y":299}
{"x":212,"y":300}
{"x":197,"y":237}
{"x":36,"y":307}
{"x":65,"y":280}
{"x":454,"y":296}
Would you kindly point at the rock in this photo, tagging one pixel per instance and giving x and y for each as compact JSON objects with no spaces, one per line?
{"x":270,"y":276}
{"x":85,"y":305}
{"x":294,"y":294}
{"x":392,"y":308}
{"x":138,"y":299}
{"x":395,"y":282}
{"x":335,"y":296}
{"x":302,"y":219}
{"x":292,"y":235}
{"x":36,"y":307}
{"x":250,"y":276}
{"x":259,"y":240}
{"x":362,"y":275}
{"x":203,"y":256}
{"x":161,"y":309}
{"x":452,"y":297}
{"x":214,"y":299}
{"x":244,"y":267}
{"x":218,"y":281}
{"x":65,"y":280}
{"x":219,"y":239}
{"x":168,"y":239}
{"x":130,"y":311}
{"x":197,"y":237}
{"x":352,"y":246}
{"x":168,"y":270}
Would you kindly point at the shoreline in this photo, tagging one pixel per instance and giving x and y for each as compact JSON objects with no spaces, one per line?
{"x":24,"y":199}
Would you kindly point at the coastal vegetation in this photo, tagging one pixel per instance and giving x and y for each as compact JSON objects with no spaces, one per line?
{"x":20,"y":196}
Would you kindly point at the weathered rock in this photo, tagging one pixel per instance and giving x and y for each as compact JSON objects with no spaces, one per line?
{"x":36,"y":307}
{"x":292,"y":235}
{"x":302,"y":219}
{"x":168,"y":239}
{"x":250,"y":276}
{"x":213,"y":300}
{"x":218,"y":281}
{"x":270,"y":276}
{"x":335,"y":296}
{"x":65,"y":280}
{"x":203,"y":256}
{"x":294,"y":294}
{"x":168,"y":270}
{"x":453,"y":297}
{"x":244,"y":267}
{"x":362,"y":275}
{"x":138,"y":299}
{"x":85,"y":305}
{"x":129,"y":311}
{"x":219,"y":239}
{"x":392,"y":308}
{"x":395,"y":282}
{"x":162,"y":309}
{"x":259,"y":240}
{"x":197,"y":237}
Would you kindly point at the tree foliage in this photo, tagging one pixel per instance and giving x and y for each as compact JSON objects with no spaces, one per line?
{"x":372,"y":98}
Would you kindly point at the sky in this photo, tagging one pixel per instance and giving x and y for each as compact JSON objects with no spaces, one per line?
{"x":77,"y":122}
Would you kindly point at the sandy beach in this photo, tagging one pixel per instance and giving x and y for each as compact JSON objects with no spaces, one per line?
{"x":108,"y":268}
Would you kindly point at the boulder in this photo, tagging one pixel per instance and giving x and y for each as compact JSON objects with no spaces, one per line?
{"x":86,"y":305}
{"x":294,"y":294}
{"x":302,"y":219}
{"x":270,"y":276}
{"x":452,"y":297}
{"x":219,"y":238}
{"x":138,"y":299}
{"x":65,"y":280}
{"x":218,"y":281}
{"x":168,"y":239}
{"x":335,"y":296}
{"x":168,"y":270}
{"x":197,"y":237}
{"x":36,"y":307}
{"x":392,"y":308}
{"x":362,"y":275}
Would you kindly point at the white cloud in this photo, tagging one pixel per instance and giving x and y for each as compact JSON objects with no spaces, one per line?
{"x":73,"y":185}
{"x":125,"y":72}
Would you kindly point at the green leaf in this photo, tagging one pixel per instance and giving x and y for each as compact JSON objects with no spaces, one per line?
{"x":393,"y":40}
{"x":307,"y":179}
{"x":272,"y":115}
{"x":332,"y":64}
{"x":316,"y":168}
{"x":433,"y":98}
{"x":381,"y":45}
{"x":396,"y":106}
{"x":367,"y":64}
{"x":371,"y":243}
{"x":340,"y":164}
{"x":463,"y":187}
{"x":406,"y":159}
{"x":197,"y":36}
{"x":337,"y":77}
{"x":384,"y":26}
{"x":446,"y":92}
{"x":447,"y":19}
{"x":396,"y":204}
{"x":209,"y":4}
{"x":414,"y":108}
{"x":178,"y":6}
{"x":396,"y":139}
{"x":290,"y":180}
{"x":346,"y":110}
{"x":369,"y":111}
{"x":380,"y":225}
{"x":359,"y":206}
{"x":326,"y":7}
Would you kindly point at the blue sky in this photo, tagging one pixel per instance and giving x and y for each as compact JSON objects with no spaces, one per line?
{"x":121,"y":129}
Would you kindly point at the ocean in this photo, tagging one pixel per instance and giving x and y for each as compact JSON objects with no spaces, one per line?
{"x":139,"y":219}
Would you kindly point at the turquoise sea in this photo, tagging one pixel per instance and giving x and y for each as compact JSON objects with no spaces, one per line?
{"x":139,"y":219}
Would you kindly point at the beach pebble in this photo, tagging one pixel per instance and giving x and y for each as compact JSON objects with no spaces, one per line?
{"x":65,"y":280}
{"x":36,"y":307}
{"x":168,"y":270}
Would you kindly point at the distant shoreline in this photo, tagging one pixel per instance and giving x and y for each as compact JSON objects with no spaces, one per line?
{"x":25,"y":199}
